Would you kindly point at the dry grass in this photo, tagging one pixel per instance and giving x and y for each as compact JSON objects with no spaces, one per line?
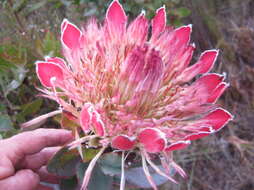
{"x":225,"y":161}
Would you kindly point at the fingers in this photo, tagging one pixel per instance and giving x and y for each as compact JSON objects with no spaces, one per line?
{"x":34,"y":141}
{"x":39,"y":159}
{"x":6,"y":167}
{"x":45,"y":176}
{"x":23,"y":180}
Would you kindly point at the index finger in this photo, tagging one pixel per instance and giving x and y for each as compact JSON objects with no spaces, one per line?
{"x":34,"y":141}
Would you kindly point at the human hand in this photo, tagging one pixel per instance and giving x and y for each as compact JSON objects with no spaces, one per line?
{"x":23,"y":158}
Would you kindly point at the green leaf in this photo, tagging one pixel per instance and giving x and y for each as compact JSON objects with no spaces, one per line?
{"x":35,"y":6}
{"x":2,"y":108}
{"x":89,"y":153}
{"x":4,"y":65}
{"x":19,"y":5}
{"x":183,"y":12}
{"x":64,"y":162}
{"x":110,"y":164}
{"x":177,"y":23}
{"x":67,"y":123}
{"x":69,"y":184}
{"x":67,"y":3}
{"x":18,"y":74}
{"x":29,"y":109}
{"x":137,"y":177}
{"x":98,"y":179}
{"x":5,"y":123}
{"x":11,"y":75}
{"x":13,"y":54}
{"x":51,"y":45}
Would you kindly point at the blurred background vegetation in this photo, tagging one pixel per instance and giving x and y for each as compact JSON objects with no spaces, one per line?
{"x":29,"y":30}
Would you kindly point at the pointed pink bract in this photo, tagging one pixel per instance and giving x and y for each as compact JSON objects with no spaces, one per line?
{"x":63,"y":25}
{"x":85,"y":118}
{"x":98,"y":124}
{"x":115,"y":14}
{"x":90,"y":117}
{"x":71,"y":35}
{"x":159,"y":22}
{"x":137,"y":30}
{"x":177,"y":146}
{"x":48,"y":71}
{"x":218,"y":118}
{"x":217,"y":92}
{"x":123,"y":142}
{"x":206,"y":61}
{"x":57,"y":60}
{"x":182,"y":35}
{"x":153,"y":140}
{"x":204,"y":65}
{"x":210,"y":81}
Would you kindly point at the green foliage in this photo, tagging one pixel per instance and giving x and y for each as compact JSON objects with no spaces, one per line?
{"x":135,"y":176}
{"x":35,"y":6}
{"x":17,"y":57}
{"x":176,"y":11}
{"x":49,"y":45}
{"x":12,"y":79}
{"x":12,"y":69}
{"x":5,"y":123}
{"x":88,"y":154}
{"x":66,"y":123}
{"x":69,"y":184}
{"x":68,"y":163}
{"x":111,"y":164}
{"x":98,"y":179}
{"x":64,"y":162}
{"x":29,"y":109}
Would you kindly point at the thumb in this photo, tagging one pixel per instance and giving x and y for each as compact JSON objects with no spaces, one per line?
{"x":22,"y":180}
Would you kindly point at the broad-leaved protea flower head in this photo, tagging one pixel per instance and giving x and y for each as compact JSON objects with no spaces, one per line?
{"x":134,"y":88}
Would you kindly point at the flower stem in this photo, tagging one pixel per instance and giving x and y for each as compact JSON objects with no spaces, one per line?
{"x":122,"y":184}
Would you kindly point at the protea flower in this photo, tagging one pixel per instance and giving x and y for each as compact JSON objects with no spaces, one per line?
{"x":132,"y":91}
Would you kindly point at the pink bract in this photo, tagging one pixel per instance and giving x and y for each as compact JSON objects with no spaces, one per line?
{"x":132,"y":91}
